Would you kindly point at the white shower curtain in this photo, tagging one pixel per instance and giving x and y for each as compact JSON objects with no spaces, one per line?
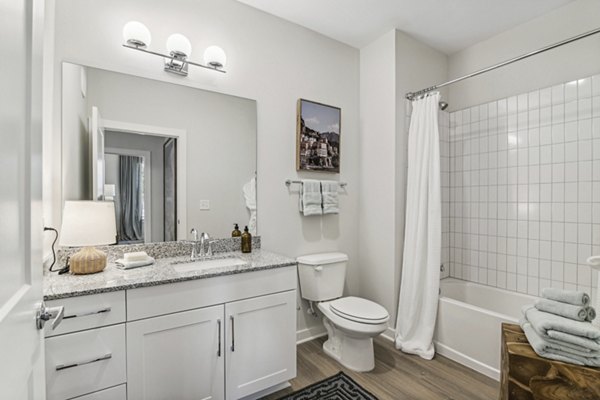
{"x":420,"y":283}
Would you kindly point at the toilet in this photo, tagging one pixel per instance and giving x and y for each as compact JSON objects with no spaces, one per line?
{"x":351,"y":322}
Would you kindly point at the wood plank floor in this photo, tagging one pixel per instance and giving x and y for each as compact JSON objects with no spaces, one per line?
{"x":397,"y":376}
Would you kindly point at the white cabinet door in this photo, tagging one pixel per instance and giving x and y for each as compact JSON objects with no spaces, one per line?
{"x":177,"y":356}
{"x":261,"y":343}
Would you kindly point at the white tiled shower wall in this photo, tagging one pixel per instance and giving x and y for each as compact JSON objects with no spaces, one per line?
{"x":524,"y":189}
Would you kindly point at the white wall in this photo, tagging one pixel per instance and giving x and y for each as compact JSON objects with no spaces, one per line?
{"x":377,"y":170}
{"x":572,"y":61}
{"x":75,"y":173}
{"x":391,"y":66}
{"x":270,"y":60}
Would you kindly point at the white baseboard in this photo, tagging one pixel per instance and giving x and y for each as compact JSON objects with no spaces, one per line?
{"x":467,"y":361}
{"x":389,"y":334}
{"x":267,"y":391}
{"x":309,"y":334}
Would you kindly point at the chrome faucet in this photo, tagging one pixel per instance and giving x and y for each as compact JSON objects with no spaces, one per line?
{"x":205,"y":238}
{"x":194,"y":234}
{"x":201,"y":247}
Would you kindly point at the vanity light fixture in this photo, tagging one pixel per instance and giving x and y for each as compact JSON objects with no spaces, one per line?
{"x":137,"y":37}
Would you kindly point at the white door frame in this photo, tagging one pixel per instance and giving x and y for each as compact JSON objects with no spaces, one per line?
{"x":181,"y":136}
{"x":147,"y":156}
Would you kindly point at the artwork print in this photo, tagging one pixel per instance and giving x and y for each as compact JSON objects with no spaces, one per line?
{"x":318,"y":137}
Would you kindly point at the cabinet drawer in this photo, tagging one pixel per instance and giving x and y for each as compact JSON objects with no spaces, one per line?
{"x":114,"y":393}
{"x":88,"y":312}
{"x":85,"y":362}
{"x":165,"y":299}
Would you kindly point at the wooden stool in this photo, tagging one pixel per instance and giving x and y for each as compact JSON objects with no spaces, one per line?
{"x":527,"y":376}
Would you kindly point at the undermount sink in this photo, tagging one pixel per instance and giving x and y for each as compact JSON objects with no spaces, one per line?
{"x":210,"y":263}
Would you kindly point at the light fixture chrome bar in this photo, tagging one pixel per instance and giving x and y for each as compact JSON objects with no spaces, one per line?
{"x":412,"y":95}
{"x":289,"y":182}
{"x":173,"y":59}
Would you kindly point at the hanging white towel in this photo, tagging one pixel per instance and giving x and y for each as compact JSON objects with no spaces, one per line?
{"x":331,"y":203}
{"x":417,"y":309}
{"x":310,"y":199}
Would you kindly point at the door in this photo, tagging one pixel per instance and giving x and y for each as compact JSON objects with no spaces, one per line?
{"x":97,"y":149}
{"x":22,"y":366}
{"x":177,"y":356}
{"x":261,"y":343}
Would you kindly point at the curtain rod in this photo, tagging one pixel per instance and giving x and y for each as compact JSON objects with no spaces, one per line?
{"x":412,"y":95}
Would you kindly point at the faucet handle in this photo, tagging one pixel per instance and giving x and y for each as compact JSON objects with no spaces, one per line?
{"x":194,"y":233}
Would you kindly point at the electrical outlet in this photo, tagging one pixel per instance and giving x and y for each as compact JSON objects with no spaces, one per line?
{"x":205,"y":204}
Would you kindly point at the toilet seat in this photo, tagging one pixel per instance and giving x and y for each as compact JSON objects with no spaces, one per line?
{"x":359,"y":310}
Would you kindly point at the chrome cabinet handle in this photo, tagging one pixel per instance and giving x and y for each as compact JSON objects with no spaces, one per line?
{"x":45,"y":314}
{"x":232,"y":333}
{"x":60,"y":367}
{"x":86,"y":313}
{"x":219,"y":348}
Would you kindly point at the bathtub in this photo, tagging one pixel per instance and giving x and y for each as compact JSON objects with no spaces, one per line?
{"x":468,"y":323}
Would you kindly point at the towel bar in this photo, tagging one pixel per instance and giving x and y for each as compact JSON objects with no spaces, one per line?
{"x":289,"y":182}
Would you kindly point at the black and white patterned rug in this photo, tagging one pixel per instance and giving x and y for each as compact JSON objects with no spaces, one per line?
{"x":337,"y":387}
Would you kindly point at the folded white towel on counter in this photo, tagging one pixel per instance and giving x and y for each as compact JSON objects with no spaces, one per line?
{"x":310,"y":199}
{"x":566,"y":296}
{"x":331,"y":203}
{"x":136,"y":256}
{"x":551,"y":325}
{"x":124,"y":264}
{"x":556,"y":352}
{"x":578,"y":313}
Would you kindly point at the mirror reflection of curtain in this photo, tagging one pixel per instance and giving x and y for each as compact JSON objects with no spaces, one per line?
{"x":170,"y":189}
{"x":131,"y":199}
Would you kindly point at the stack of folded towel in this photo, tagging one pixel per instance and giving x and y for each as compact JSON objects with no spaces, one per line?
{"x":319,"y":197}
{"x":134,"y":260}
{"x":558,"y":326}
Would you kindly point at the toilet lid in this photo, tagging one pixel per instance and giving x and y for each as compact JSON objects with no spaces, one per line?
{"x":359,"y":310}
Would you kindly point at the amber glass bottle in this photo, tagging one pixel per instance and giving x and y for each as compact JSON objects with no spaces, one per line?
{"x":236,"y":231}
{"x":246,"y":241}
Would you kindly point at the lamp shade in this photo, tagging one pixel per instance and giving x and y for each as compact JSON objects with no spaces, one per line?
{"x":136,"y":33}
{"x":88,"y":223}
{"x":215,"y":57}
{"x":179,"y":44}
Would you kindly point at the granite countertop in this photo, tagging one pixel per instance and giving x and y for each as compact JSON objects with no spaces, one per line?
{"x":162,"y":272}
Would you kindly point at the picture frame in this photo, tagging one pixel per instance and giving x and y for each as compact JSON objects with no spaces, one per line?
{"x":318,"y":136}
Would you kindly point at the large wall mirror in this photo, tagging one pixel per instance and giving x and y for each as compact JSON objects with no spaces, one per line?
{"x":171,"y":157}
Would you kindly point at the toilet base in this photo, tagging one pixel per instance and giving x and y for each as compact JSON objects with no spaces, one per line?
{"x":354,"y":353}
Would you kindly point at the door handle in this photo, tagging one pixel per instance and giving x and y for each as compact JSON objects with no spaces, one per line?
{"x":45,"y":314}
{"x":232,"y":333}
{"x":219,"y":348}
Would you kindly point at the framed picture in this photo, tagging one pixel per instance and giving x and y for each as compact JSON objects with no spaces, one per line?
{"x":318,"y":137}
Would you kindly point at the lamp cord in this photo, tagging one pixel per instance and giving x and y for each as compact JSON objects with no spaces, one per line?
{"x":53,"y":243}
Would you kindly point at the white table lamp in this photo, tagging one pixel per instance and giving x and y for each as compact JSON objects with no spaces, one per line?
{"x":87,"y":224}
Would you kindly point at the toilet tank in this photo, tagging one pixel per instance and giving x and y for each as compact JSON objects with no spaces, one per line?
{"x":322,"y":275}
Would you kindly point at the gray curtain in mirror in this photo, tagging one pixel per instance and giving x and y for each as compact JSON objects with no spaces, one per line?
{"x":131,"y":202}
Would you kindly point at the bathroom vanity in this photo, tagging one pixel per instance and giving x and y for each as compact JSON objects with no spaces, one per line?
{"x":220,"y":331}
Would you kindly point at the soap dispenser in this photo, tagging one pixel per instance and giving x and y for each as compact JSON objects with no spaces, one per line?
{"x":236,"y":231}
{"x":246,"y":241}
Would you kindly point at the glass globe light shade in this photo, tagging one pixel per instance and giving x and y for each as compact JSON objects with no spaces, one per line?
{"x":135,"y":33}
{"x":177,"y":44}
{"x":215,"y":57}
